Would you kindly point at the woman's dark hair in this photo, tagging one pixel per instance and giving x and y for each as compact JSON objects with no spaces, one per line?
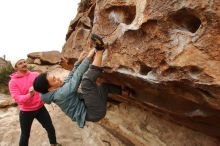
{"x":41,"y":83}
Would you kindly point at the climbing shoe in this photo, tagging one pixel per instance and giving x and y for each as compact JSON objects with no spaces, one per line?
{"x":97,"y":40}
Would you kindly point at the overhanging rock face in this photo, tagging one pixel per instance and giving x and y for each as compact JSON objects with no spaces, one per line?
{"x":167,"y":51}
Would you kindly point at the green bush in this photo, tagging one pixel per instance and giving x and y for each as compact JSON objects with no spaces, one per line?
{"x":31,"y":68}
{"x":5,"y":77}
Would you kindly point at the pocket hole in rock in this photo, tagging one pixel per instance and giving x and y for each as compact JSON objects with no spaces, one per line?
{"x":186,"y":20}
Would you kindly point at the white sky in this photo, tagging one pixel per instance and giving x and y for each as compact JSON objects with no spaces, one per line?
{"x":34,"y":25}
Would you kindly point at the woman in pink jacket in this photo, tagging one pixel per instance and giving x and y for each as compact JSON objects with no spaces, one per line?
{"x":30,"y":104}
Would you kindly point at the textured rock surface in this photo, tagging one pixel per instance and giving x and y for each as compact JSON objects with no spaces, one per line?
{"x":47,"y":68}
{"x":167,"y":51}
{"x":46,"y":58}
{"x":117,"y":129}
{"x":6,"y":100}
{"x":135,"y":126}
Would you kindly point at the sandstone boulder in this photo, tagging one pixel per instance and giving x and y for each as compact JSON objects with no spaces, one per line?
{"x":166,"y":51}
{"x":46,"y":58}
{"x":47,"y":68}
{"x":6,"y":101}
{"x":30,"y":60}
{"x":37,"y":61}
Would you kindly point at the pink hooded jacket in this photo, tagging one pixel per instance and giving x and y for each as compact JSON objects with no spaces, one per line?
{"x":19,"y":86}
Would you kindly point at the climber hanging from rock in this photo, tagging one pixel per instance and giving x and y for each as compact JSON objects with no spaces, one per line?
{"x":79,"y":96}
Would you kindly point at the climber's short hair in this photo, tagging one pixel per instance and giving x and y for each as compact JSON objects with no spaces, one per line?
{"x":41,"y":83}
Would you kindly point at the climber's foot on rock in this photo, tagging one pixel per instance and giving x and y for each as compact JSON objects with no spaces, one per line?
{"x":98,"y":42}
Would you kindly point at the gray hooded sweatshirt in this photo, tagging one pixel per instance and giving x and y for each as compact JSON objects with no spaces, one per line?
{"x":66,"y":96}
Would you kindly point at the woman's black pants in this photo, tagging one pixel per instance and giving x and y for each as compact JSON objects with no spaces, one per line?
{"x":26,"y":119}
